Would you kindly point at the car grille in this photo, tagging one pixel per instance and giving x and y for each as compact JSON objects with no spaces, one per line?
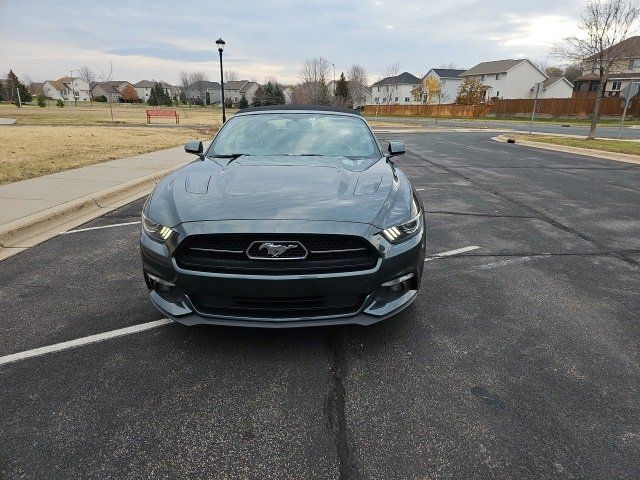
{"x":305,"y":254}
{"x":296,"y":307}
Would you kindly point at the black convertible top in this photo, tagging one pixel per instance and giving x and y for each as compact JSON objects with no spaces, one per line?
{"x":313,"y":108}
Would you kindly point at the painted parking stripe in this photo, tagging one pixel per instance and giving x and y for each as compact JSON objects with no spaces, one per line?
{"x":100,"y":337}
{"x":502,"y":263}
{"x":451,"y":253}
{"x":100,"y":227}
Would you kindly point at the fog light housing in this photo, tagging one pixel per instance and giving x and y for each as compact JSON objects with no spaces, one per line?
{"x":398,"y":286}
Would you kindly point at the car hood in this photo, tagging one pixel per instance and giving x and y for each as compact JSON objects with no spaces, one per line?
{"x":282,"y":189}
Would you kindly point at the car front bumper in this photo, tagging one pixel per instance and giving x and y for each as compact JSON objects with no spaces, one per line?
{"x":395,"y":261}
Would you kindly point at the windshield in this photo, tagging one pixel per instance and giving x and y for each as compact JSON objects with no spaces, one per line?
{"x":296,"y":134}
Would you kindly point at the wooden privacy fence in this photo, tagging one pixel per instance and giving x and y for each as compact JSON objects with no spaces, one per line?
{"x":561,"y":107}
{"x":448,"y":110}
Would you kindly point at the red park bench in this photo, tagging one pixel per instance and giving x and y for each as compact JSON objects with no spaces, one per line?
{"x":162,"y":113}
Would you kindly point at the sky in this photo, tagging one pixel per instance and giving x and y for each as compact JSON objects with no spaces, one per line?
{"x":46,"y":39}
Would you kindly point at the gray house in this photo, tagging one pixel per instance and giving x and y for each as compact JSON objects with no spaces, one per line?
{"x":198,"y":92}
{"x":112,"y":90}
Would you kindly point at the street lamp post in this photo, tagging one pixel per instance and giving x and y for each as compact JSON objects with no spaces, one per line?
{"x":220,"y":44}
{"x":334,"y":75}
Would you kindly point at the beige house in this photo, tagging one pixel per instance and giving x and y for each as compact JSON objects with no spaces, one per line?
{"x":112,"y":90}
{"x":234,"y":89}
{"x":67,"y":89}
{"x":621,"y":73}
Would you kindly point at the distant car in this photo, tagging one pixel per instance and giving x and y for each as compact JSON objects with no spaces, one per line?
{"x":292,"y":217}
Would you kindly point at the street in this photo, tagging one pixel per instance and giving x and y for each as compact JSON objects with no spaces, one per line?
{"x":558,"y":127}
{"x":519,"y":359}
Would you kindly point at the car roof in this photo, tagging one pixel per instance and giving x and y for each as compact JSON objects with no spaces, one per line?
{"x":299,"y":108}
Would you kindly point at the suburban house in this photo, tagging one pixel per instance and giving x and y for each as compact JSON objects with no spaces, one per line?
{"x":621,"y":73}
{"x":395,"y":90}
{"x":143,"y":89}
{"x":67,"y":89}
{"x":198,"y":92}
{"x":112,"y":89}
{"x":506,"y":79}
{"x":449,"y":79}
{"x":554,"y":87}
{"x":234,"y":89}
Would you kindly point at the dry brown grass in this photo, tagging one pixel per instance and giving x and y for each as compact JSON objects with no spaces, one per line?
{"x":31,"y":151}
{"x":99,"y":115}
{"x":615,"y":146}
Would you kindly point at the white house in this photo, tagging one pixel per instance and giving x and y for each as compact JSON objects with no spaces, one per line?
{"x":395,"y":90}
{"x":234,"y":89}
{"x":449,"y":79}
{"x":67,"y":89}
{"x":507,"y":78}
{"x":143,"y":89}
{"x":555,"y":87}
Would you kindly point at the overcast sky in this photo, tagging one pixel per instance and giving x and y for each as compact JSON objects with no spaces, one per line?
{"x":152,"y":39}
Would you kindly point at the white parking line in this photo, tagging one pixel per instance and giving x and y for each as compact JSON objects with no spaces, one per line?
{"x":100,"y":337}
{"x":98,"y":228}
{"x":451,"y":253}
{"x":502,"y":263}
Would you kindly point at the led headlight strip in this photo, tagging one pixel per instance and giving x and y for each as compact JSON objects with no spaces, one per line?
{"x":404,"y":231}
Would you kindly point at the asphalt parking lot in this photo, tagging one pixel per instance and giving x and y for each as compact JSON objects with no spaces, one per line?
{"x":519,"y":359}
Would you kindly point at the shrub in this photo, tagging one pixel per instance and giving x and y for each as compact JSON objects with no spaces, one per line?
{"x":244,"y":103}
{"x":41,"y":101}
{"x":60,"y":103}
{"x":101,"y":98}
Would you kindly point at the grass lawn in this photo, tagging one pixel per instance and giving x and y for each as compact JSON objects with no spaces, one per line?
{"x":32,"y":151}
{"x":616,"y":146}
{"x":99,"y":115}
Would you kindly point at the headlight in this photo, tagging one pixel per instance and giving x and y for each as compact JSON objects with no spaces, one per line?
{"x":404,"y":231}
{"x":157,"y":232}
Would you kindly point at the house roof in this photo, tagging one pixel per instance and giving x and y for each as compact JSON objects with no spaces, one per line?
{"x":246,"y":86}
{"x":404,"y":78}
{"x":553,"y":80}
{"x":625,"y":49}
{"x":111,"y":86}
{"x":58,"y":84}
{"x":448,"y":72}
{"x":144,"y":84}
{"x":203,"y":84}
{"x":497,"y":66}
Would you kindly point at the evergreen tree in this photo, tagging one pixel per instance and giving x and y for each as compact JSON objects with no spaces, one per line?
{"x":342,"y":94}
{"x":259,"y":98}
{"x":244,"y":103}
{"x":279,"y":96}
{"x":15,"y":85}
{"x":153,"y":98}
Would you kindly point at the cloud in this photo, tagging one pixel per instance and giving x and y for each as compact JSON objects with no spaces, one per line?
{"x":273,"y":37}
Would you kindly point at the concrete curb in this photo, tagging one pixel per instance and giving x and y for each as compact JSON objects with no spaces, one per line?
{"x":31,"y":230}
{"x":618,"y":157}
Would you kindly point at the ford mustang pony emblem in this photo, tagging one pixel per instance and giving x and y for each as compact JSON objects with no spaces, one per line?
{"x":276,"y":249}
{"x":273,"y":250}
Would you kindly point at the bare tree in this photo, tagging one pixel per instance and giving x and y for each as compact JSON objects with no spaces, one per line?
{"x":358,"y":82}
{"x":605,"y":25}
{"x":313,"y":89}
{"x":86,"y":74}
{"x":230,"y":76}
{"x":390,"y":90}
{"x":105,"y":76}
{"x":450,"y":66}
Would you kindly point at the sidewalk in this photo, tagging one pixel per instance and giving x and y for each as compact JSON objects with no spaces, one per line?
{"x":39,"y":208}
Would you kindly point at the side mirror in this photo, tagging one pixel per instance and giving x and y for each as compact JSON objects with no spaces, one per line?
{"x":396,"y":148}
{"x":194,"y":146}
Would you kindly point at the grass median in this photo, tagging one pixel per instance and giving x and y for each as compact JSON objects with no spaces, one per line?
{"x":99,"y":114}
{"x":614,"y":146}
{"x":32,"y":151}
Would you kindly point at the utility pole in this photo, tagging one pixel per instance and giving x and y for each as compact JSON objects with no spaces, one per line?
{"x":19,"y":99}
{"x":535,"y":104}
{"x":629,"y":92}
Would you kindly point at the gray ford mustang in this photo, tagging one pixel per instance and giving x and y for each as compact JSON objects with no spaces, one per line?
{"x":292,"y":217}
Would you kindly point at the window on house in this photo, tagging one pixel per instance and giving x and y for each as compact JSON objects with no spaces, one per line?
{"x":377,"y":99}
{"x":615,"y":86}
{"x":593,"y":86}
{"x":482,"y":78}
{"x":396,"y":99}
{"x":407,"y":99}
{"x":497,"y":76}
{"x":498,"y":93}
{"x":634,"y":63}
